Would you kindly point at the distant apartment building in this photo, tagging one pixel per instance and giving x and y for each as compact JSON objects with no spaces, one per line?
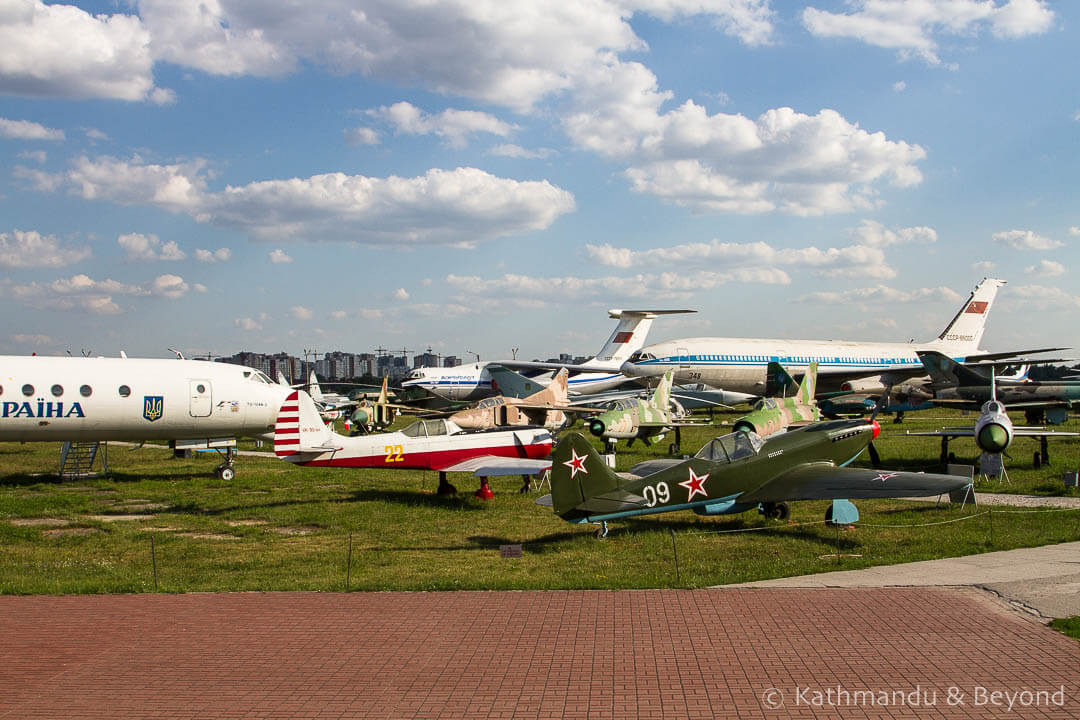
{"x":451,"y":361}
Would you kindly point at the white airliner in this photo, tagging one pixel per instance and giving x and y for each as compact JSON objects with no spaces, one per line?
{"x":741,"y":363}
{"x":96,"y":398}
{"x":471,"y":382}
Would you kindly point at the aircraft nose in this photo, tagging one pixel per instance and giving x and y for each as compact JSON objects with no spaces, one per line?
{"x":634,"y":369}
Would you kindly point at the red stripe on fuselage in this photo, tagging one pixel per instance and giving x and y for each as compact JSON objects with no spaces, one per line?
{"x":432,"y":460}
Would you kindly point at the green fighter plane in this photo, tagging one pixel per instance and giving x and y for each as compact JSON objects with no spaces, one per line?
{"x":631,"y":418}
{"x":733,"y":474}
{"x":774,"y":414}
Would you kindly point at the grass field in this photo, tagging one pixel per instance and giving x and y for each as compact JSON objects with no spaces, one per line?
{"x":279,"y":527}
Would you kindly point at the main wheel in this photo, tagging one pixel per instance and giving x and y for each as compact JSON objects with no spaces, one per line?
{"x":226,"y":472}
{"x":783,"y":511}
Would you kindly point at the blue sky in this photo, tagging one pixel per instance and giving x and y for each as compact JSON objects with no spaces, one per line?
{"x":492,"y":174}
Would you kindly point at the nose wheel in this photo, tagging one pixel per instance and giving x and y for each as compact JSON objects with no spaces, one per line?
{"x":225,"y":471}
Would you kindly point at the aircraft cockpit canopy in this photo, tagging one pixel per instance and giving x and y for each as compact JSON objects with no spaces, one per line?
{"x":491,"y":402}
{"x":766,"y":404}
{"x":425,"y":428}
{"x":624,"y":404}
{"x":993,"y":406}
{"x":728,"y":448}
{"x":417,"y":374}
{"x":256,"y":376}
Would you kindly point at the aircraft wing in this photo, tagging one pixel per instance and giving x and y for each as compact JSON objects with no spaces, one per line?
{"x":490,"y":465}
{"x":1021,"y":431}
{"x":1012,"y":354}
{"x":825,"y":481}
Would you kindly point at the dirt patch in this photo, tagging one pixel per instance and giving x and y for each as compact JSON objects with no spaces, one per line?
{"x":207,"y":536}
{"x":70,"y":532}
{"x":246,"y":523}
{"x":118,"y":518}
{"x":295,"y":531}
{"x":140,"y":506}
{"x":158,"y":529}
{"x":39,"y":522}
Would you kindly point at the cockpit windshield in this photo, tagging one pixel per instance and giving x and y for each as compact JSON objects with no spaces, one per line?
{"x":640,"y":357}
{"x":257,"y":376}
{"x":415,"y":375}
{"x":729,"y":448}
{"x":766,"y":404}
{"x":491,"y":402}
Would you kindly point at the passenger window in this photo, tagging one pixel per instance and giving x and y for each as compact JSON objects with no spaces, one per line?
{"x":86,"y":391}
{"x":124,"y":391}
{"x":57,"y":390}
{"x":28,"y":390}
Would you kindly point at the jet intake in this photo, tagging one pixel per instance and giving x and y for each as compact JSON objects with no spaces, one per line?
{"x":870,"y":384}
{"x":597,"y":427}
{"x":993,"y":437}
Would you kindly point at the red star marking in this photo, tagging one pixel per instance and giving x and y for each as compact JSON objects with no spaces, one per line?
{"x":694,"y":484}
{"x":884,"y":476}
{"x":576,"y":463}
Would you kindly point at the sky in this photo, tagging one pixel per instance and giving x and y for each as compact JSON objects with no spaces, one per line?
{"x":491,"y":176}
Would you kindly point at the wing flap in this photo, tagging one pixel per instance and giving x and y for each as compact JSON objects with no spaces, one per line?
{"x":490,"y":465}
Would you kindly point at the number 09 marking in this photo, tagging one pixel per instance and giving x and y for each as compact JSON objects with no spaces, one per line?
{"x":660,"y":493}
{"x":393,"y":453}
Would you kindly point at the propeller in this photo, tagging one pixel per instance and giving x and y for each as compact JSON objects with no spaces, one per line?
{"x":882,"y":402}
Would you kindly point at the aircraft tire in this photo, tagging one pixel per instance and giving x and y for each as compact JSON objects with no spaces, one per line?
{"x":828,"y":516}
{"x":226,"y":472}
{"x":783,"y":511}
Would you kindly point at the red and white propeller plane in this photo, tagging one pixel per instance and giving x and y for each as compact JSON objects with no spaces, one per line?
{"x":300,"y":437}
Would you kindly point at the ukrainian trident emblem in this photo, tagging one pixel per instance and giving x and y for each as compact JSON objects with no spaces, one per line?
{"x":153,"y":407}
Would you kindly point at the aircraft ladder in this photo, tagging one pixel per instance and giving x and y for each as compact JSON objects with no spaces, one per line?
{"x":77,"y":458}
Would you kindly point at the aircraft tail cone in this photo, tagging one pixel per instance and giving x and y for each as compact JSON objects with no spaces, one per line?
{"x":484,"y":493}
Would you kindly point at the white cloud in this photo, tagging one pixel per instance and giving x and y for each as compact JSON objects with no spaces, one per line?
{"x":63,"y":51}
{"x":851,"y":261}
{"x":149,"y":248}
{"x":1040,"y":297}
{"x":506,"y":52}
{"x":301,"y":313}
{"x":26,"y":130}
{"x":454,"y":126}
{"x":1025,"y":240}
{"x":448,"y":207}
{"x":200,"y":288}
{"x":1045,"y":268}
{"x":29,"y":249}
{"x":1074,"y":231}
{"x":983,"y":266}
{"x":211,"y":256}
{"x":874,"y":234}
{"x":37,"y":156}
{"x":899,"y":86}
{"x":170,"y":286}
{"x":279,"y":256}
{"x":516,"y":151}
{"x":881,"y":294}
{"x":338,"y":314}
{"x":35,"y":340}
{"x":401,"y":294}
{"x":246,"y":323}
{"x":361,"y":136}
{"x":910,"y":26}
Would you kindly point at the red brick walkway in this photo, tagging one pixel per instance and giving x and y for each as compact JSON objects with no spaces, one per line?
{"x":655,"y":654}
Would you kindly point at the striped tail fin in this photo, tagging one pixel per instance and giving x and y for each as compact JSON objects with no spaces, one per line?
{"x":299,"y":429}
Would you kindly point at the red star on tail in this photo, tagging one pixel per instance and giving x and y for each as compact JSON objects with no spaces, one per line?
{"x":576,"y":463}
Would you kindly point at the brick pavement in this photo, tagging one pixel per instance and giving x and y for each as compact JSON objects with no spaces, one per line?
{"x":569,"y":654}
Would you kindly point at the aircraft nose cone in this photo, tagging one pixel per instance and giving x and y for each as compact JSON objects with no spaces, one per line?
{"x":992,"y":438}
{"x":596,"y":427}
{"x":633,"y":369}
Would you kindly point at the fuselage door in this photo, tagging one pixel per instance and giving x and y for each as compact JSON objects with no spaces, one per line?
{"x":684,"y":358}
{"x":202,"y":400}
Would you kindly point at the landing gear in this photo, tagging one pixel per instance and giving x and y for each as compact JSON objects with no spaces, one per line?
{"x":601,"y":532}
{"x":225,"y":471}
{"x":484,"y":493}
{"x":775,"y":511}
{"x":675,"y":447}
{"x":445,"y":488}
{"x":526,"y":486}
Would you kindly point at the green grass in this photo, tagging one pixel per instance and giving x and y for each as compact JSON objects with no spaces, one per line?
{"x":1070,"y":626}
{"x":280,"y":527}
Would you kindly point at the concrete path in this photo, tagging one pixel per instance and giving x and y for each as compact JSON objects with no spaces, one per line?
{"x":1044,"y":579}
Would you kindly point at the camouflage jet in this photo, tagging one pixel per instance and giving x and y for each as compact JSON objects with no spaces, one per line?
{"x":965,"y":386}
{"x":632,"y":418}
{"x":774,"y":414}
{"x":549,"y":408}
{"x":733,"y":474}
{"x":374,"y":415}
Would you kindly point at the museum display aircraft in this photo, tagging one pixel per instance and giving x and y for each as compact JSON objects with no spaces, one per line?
{"x":472,"y":382}
{"x":775,"y":414}
{"x":301,"y":437}
{"x":548,"y":407}
{"x":993,"y":432}
{"x":733,"y":474}
{"x":83,"y":399}
{"x":644,"y":418}
{"x":741,"y":364}
{"x":958,"y":385}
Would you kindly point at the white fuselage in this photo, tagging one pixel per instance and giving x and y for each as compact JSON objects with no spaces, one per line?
{"x":741,"y":364}
{"x":77,"y":398}
{"x":472,"y":382}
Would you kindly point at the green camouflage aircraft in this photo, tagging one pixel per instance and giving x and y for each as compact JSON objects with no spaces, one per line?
{"x":632,"y":418}
{"x":773,"y":414}
{"x":732,"y":474}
